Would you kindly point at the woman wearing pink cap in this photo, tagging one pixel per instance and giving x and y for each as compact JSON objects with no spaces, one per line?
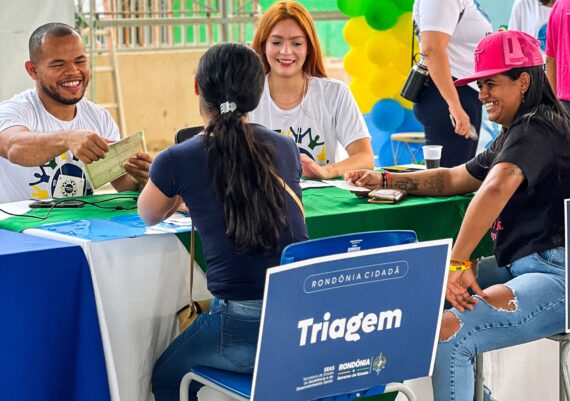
{"x":521,"y":183}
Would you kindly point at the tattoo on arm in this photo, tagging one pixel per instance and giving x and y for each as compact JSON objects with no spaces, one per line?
{"x":406,"y":184}
{"x":436,"y":183}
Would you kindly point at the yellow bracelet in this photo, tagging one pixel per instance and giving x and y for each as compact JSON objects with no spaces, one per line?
{"x":459,"y":265}
{"x":459,"y":268}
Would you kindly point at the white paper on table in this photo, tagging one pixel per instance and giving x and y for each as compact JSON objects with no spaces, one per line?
{"x":21,"y":207}
{"x":173,"y":224}
{"x":314,"y":184}
{"x":346,"y":185}
{"x":111,"y":167}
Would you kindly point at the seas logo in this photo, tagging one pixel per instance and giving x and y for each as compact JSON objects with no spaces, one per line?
{"x":379,"y":363}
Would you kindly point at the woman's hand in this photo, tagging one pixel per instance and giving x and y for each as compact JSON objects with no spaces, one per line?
{"x":364,"y":178}
{"x":462,"y":122}
{"x":312,"y":170}
{"x":456,"y":292}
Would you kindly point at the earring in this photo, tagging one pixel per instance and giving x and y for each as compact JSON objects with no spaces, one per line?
{"x":522,"y":94}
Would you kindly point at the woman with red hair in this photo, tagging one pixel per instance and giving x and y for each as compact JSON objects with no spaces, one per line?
{"x":299,"y":101}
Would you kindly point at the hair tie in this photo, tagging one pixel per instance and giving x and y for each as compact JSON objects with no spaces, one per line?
{"x":227,"y":107}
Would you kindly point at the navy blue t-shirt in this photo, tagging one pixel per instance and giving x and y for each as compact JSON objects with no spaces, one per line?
{"x":533,"y":219}
{"x":182,"y":170}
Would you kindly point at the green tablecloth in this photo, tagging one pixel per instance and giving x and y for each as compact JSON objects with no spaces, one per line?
{"x":332,"y":211}
{"x":107,"y":206}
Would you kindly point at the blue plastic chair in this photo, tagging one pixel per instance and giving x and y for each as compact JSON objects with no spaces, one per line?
{"x":345,"y":243}
{"x":238,"y":385}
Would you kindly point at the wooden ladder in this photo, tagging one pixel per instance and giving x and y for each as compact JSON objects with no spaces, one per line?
{"x":113,"y":69}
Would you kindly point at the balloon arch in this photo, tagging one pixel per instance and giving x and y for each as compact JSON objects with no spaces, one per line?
{"x":379,"y":33}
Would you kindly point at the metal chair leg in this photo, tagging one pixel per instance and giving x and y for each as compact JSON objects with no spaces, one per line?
{"x":479,"y":378}
{"x":402,"y":388}
{"x":185,"y":386}
{"x":564,"y":348}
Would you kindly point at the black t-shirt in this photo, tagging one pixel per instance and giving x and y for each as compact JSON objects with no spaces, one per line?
{"x":182,"y":170}
{"x":533,"y":219}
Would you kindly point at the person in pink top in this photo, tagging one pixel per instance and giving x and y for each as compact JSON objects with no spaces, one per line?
{"x":558,"y":51}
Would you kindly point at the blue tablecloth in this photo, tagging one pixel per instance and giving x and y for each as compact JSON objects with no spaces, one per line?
{"x":50,"y":342}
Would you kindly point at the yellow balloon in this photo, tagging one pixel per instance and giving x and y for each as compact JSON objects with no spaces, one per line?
{"x":386,"y":82}
{"x":357,"y":31}
{"x":403,"y":28}
{"x":356,"y":64}
{"x":416,"y":47}
{"x":383,"y":48}
{"x":403,"y":62}
{"x":364,"y":98}
{"x":403,"y":31}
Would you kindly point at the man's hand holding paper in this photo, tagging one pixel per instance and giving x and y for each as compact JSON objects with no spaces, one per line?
{"x":126,"y":165}
{"x":87,"y":146}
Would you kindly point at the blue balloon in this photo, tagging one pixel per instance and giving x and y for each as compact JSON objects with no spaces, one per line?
{"x":388,"y":114}
{"x":410,"y":123}
{"x":380,"y":143}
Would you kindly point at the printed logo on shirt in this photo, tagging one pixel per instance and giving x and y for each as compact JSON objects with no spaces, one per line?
{"x":496,"y":228}
{"x":59,"y":178}
{"x":309,"y":143}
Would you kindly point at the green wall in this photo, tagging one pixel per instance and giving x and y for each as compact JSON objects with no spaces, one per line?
{"x":330,"y":32}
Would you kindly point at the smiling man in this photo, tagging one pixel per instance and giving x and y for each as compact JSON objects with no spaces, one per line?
{"x":48,"y":133}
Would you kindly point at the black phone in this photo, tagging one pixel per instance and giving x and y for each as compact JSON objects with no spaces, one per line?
{"x":46,"y":204}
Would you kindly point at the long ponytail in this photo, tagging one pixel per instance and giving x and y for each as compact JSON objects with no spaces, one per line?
{"x":230,"y":79}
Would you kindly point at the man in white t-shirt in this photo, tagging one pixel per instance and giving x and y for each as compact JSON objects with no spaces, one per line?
{"x":48,"y":133}
{"x":531,"y":16}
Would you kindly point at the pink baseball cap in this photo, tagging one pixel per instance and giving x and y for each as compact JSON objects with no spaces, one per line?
{"x":503,"y":51}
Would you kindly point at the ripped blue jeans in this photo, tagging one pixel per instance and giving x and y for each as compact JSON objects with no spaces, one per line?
{"x":537,"y":283}
{"x":225,"y":337}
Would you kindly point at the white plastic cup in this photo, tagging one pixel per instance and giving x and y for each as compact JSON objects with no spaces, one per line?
{"x":432,"y":155}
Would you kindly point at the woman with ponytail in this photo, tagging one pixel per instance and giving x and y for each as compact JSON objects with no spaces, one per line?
{"x":233,"y":179}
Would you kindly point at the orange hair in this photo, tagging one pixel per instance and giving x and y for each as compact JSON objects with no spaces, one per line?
{"x":283,"y":10}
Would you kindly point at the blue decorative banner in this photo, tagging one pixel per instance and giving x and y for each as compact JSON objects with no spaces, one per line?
{"x":124,"y":226}
{"x":348,"y":322}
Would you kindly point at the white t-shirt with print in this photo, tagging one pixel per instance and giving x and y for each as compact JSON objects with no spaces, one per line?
{"x":63,"y":176}
{"x":442,"y":16}
{"x":531,"y":17}
{"x":328,"y":115}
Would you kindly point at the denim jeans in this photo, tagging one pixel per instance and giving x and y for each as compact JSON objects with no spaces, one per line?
{"x":537,"y":282}
{"x":225,"y":338}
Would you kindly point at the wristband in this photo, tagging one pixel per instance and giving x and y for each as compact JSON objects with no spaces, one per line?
{"x":386,"y":179}
{"x":456,"y":265}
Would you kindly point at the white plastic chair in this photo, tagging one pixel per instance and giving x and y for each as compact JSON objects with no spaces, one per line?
{"x":564,"y":380}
